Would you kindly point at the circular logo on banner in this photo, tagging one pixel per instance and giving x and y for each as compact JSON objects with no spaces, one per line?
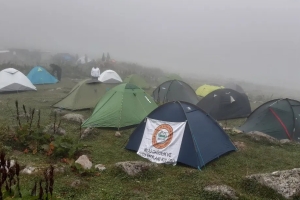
{"x":162,"y":136}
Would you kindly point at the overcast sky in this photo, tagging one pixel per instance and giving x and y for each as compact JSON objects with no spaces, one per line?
{"x":256,"y":40}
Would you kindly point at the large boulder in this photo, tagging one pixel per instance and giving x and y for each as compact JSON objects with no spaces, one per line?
{"x":259,"y":136}
{"x":223,"y":190}
{"x":133,"y":168}
{"x":84,"y":162}
{"x":286,"y":183}
{"x":74,"y":117}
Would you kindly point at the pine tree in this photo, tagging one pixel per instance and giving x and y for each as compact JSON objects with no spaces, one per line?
{"x":108,"y":57}
{"x":103,"y":58}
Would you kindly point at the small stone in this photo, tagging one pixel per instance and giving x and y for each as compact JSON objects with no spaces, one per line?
{"x":285,"y":141}
{"x":59,"y":170}
{"x":84,"y":162}
{"x":159,"y":179}
{"x":224,"y":190}
{"x":75,"y":183}
{"x":258,"y":136}
{"x":86,"y":132}
{"x":118,"y":134}
{"x":133,"y":168}
{"x":240,"y":145}
{"x":28,"y":170}
{"x":58,"y":88}
{"x":74,"y":117}
{"x":50,"y":130}
{"x":100,"y":167}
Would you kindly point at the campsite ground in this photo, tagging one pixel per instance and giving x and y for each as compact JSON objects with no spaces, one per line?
{"x":164,"y":182}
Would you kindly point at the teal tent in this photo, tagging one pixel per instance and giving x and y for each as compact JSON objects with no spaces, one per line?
{"x":39,"y":75}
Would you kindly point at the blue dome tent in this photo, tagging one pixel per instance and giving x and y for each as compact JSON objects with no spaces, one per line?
{"x":39,"y":75}
{"x":202,"y":139}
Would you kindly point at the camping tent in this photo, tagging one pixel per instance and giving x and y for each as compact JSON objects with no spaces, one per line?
{"x":12,"y":80}
{"x":180,"y":132}
{"x":84,"y":95}
{"x":206,"y":89}
{"x":122,"y":106}
{"x":83,"y":60}
{"x":235,"y":87}
{"x":174,"y":90}
{"x":224,"y":104}
{"x":110,"y":76}
{"x":279,"y":118}
{"x":169,"y":77}
{"x":137,"y":80}
{"x":38,"y":75}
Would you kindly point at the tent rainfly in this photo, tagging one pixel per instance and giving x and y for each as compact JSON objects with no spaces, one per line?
{"x":12,"y":80}
{"x":124,"y":105}
{"x":225,"y":104}
{"x":39,"y":75}
{"x":278,"y":118}
{"x":174,"y":90}
{"x":180,"y":132}
{"x":84,"y":95}
{"x":110,"y":76}
{"x":206,"y":89}
{"x":137,"y":80}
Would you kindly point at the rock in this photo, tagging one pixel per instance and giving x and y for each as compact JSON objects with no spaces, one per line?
{"x":118,"y":134}
{"x":240,"y":145}
{"x":86,"y":132}
{"x":227,"y":129}
{"x":237,"y":130}
{"x":75,"y":183}
{"x":12,"y":163}
{"x":84,"y":162}
{"x":28,"y":170}
{"x":258,"y":136}
{"x":59,"y":170}
{"x":23,"y":115}
{"x":58,"y":88}
{"x":44,"y":101}
{"x":286,"y":182}
{"x":74,"y":117}
{"x":133,"y":168}
{"x":60,"y":112}
{"x":100,"y":167}
{"x":285,"y":141}
{"x":50,"y":130}
{"x":224,"y":190}
{"x":51,"y":90}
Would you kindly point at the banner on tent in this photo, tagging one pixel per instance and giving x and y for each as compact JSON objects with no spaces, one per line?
{"x":162,"y":141}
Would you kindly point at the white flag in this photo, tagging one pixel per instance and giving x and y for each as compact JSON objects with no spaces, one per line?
{"x":162,"y":141}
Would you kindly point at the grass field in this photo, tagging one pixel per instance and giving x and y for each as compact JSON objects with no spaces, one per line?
{"x":164,"y":182}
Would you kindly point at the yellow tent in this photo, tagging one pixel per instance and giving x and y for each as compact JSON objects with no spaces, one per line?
{"x":206,"y":89}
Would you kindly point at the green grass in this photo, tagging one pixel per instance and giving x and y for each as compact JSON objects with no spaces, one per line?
{"x":165,"y":182}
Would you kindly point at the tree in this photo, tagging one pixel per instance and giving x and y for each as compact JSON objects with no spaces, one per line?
{"x":103,"y":58}
{"x":108,"y":57}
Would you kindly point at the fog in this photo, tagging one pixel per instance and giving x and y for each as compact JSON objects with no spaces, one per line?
{"x":252,"y":40}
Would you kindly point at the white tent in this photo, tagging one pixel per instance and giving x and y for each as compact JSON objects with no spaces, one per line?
{"x":110,"y":76}
{"x":81,"y":60}
{"x":12,"y":80}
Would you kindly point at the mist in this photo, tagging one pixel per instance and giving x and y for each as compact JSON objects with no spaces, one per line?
{"x":251,"y":40}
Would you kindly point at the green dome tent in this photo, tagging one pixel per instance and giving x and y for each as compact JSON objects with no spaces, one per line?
{"x":84,"y":95}
{"x":169,"y":77}
{"x":124,"y":105}
{"x":137,"y":80}
{"x":278,"y":118}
